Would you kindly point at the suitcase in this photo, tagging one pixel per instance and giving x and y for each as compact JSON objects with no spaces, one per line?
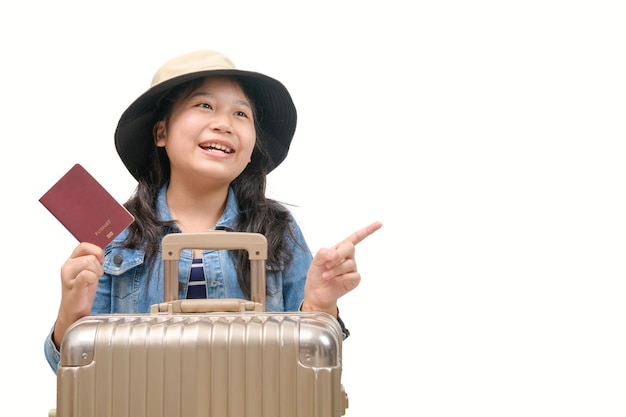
{"x":211,"y":358}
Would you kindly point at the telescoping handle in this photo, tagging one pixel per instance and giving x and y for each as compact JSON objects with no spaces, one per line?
{"x":254,"y":243}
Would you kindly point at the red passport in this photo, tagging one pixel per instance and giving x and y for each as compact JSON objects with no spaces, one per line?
{"x":86,"y":208}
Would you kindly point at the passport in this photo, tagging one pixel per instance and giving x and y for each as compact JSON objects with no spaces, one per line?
{"x":86,"y":209}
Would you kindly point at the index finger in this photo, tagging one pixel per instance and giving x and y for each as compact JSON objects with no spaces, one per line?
{"x":85,"y":248}
{"x":361,"y":234}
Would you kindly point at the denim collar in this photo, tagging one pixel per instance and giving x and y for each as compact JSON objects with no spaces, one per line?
{"x":225,"y":222}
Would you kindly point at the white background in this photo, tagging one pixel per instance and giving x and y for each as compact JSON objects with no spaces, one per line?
{"x":487,"y":136}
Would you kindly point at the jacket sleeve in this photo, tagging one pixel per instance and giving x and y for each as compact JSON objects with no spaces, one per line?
{"x":52,"y":353}
{"x":294,"y":277}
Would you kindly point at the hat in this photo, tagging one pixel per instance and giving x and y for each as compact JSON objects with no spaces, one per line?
{"x":275,"y":111}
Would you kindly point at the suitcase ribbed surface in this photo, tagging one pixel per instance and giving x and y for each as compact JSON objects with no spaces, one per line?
{"x":215,"y":365}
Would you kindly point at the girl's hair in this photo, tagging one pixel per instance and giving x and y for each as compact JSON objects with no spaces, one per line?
{"x":257,"y":213}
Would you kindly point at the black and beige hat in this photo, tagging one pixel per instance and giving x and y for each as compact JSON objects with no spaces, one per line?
{"x":275,"y":110}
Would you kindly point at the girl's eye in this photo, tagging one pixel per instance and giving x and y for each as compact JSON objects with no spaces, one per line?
{"x":240,"y":113}
{"x":205,"y":105}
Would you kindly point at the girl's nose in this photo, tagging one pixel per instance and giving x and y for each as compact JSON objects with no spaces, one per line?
{"x":220,"y":122}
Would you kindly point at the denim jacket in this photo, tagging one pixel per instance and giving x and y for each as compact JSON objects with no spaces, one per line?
{"x":128,"y":286}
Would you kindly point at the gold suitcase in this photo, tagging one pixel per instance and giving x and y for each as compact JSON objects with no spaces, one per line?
{"x":210,"y":358}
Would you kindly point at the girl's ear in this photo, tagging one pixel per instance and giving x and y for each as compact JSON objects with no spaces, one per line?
{"x":159,"y":133}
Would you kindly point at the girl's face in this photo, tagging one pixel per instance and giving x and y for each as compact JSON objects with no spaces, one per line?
{"x":210,"y":133}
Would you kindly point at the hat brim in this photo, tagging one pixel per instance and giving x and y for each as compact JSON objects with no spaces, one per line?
{"x":275,"y":113}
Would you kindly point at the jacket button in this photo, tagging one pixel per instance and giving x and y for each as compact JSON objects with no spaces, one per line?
{"x":117,"y":260}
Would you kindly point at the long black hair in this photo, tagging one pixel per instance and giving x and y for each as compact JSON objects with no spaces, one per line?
{"x":257,"y":213}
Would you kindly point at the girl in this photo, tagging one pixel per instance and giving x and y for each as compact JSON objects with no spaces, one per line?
{"x":200,"y":143}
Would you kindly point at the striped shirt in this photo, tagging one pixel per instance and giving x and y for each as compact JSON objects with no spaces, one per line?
{"x":197,"y":283}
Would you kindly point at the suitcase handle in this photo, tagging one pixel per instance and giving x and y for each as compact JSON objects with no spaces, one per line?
{"x":254,"y":243}
{"x":223,"y":305}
